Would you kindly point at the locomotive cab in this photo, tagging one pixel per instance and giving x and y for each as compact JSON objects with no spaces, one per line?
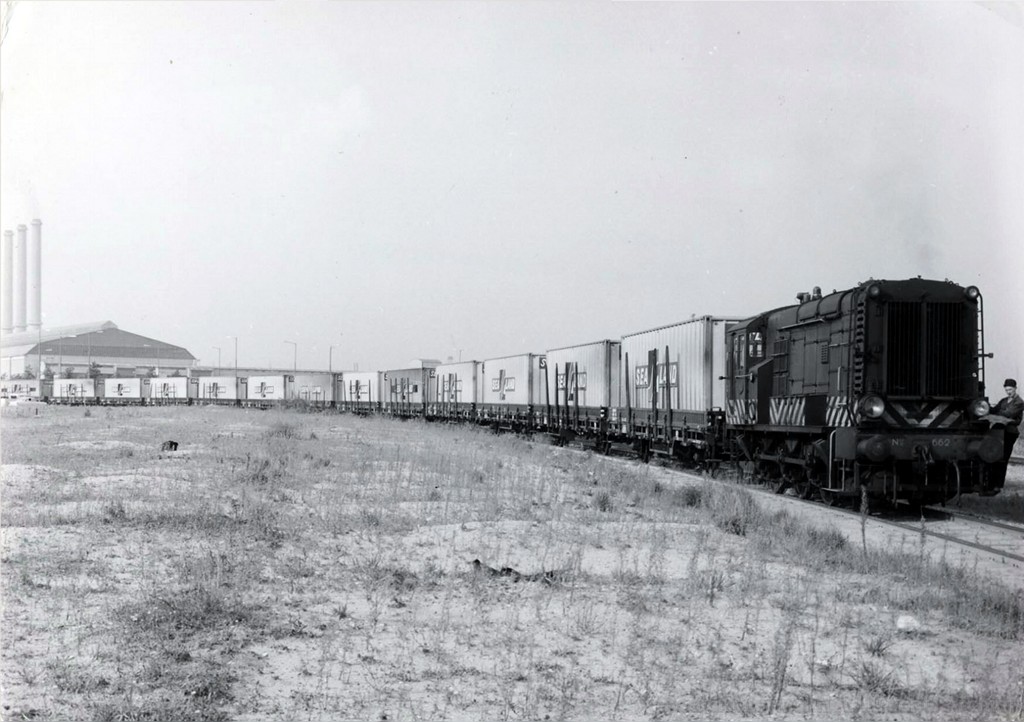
{"x":748,"y":371}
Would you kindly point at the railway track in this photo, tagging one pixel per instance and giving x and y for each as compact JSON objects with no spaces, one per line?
{"x":1002,"y":540}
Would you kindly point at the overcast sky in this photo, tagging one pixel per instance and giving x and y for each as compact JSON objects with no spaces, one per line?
{"x":429,"y":180}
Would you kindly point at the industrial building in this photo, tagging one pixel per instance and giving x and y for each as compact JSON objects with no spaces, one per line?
{"x":29,"y":350}
{"x":70,"y":351}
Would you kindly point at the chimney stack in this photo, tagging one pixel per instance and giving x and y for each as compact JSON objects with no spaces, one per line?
{"x":20,"y":258}
{"x":7,"y":324}
{"x":34,"y":299}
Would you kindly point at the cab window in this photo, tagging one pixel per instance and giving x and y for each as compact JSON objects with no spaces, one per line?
{"x":739,"y":358}
{"x":756,"y":348}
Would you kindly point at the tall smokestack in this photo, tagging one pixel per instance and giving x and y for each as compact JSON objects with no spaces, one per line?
{"x":34,"y":298}
{"x":19,"y":279}
{"x":7,"y":323}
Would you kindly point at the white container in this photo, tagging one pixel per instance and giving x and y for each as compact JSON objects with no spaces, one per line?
{"x":221,"y":388}
{"x":593,"y":378}
{"x":72,"y":390}
{"x":513,"y":380}
{"x":268,"y":388}
{"x":173,"y":388}
{"x":695,"y":365}
{"x":317,"y":389}
{"x":19,"y":389}
{"x":358,"y":387}
{"x":125,"y":389}
{"x":408,"y":390}
{"x":459,"y":383}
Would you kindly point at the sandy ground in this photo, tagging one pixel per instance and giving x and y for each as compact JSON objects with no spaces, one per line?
{"x":345,"y":590}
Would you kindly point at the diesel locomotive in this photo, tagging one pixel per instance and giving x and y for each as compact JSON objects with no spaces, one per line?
{"x":878,"y":388}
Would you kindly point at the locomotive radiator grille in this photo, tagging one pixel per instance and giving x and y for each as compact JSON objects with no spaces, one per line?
{"x":924,"y":349}
{"x":943,"y":355}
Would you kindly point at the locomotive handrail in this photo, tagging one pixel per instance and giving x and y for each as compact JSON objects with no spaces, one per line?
{"x":807,"y":322}
{"x":831,"y":456}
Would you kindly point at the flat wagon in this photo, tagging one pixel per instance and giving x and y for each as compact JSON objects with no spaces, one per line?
{"x":674,"y":387}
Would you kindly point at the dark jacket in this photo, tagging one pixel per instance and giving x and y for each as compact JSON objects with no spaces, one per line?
{"x":1012,"y":409}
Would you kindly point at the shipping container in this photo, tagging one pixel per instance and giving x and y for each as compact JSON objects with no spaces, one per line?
{"x":130,"y":389}
{"x":74,"y":391}
{"x":407,"y":391}
{"x":316,"y":388}
{"x":173,"y":389}
{"x":513,"y":388}
{"x":458,"y":390}
{"x":586,"y":375}
{"x":674,"y":374}
{"x":24,"y":389}
{"x":222,"y":389}
{"x":358,"y":390}
{"x":268,"y":388}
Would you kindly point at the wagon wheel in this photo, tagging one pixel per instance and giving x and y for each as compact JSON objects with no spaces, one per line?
{"x":777,"y":478}
{"x":803,"y":489}
{"x":804,"y":484}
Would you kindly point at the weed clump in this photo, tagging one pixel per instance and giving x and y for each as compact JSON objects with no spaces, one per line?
{"x":735,"y":512}
{"x":187,"y":611}
{"x":262,"y":470}
{"x":687,"y":496}
{"x":115,"y":512}
{"x":603,"y":501}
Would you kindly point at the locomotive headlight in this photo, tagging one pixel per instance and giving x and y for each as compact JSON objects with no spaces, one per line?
{"x":874,"y":290}
{"x":972,"y":292}
{"x":978,"y":408}
{"x":872,"y":406}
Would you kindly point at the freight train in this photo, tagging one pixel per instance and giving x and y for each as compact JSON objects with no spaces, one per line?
{"x":877,"y":389}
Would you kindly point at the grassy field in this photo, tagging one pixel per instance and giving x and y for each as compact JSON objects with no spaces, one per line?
{"x":294,"y":566}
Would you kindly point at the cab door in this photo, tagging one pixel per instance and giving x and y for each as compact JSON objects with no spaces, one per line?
{"x":736,"y":381}
{"x":760,"y":378}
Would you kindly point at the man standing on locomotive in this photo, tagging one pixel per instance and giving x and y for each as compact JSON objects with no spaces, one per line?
{"x":1011,"y":408}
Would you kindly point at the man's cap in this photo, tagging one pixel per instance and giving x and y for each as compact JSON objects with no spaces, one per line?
{"x":1010,"y":382}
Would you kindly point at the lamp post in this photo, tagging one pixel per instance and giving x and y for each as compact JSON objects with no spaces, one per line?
{"x":295,"y":356}
{"x":218,"y":357}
